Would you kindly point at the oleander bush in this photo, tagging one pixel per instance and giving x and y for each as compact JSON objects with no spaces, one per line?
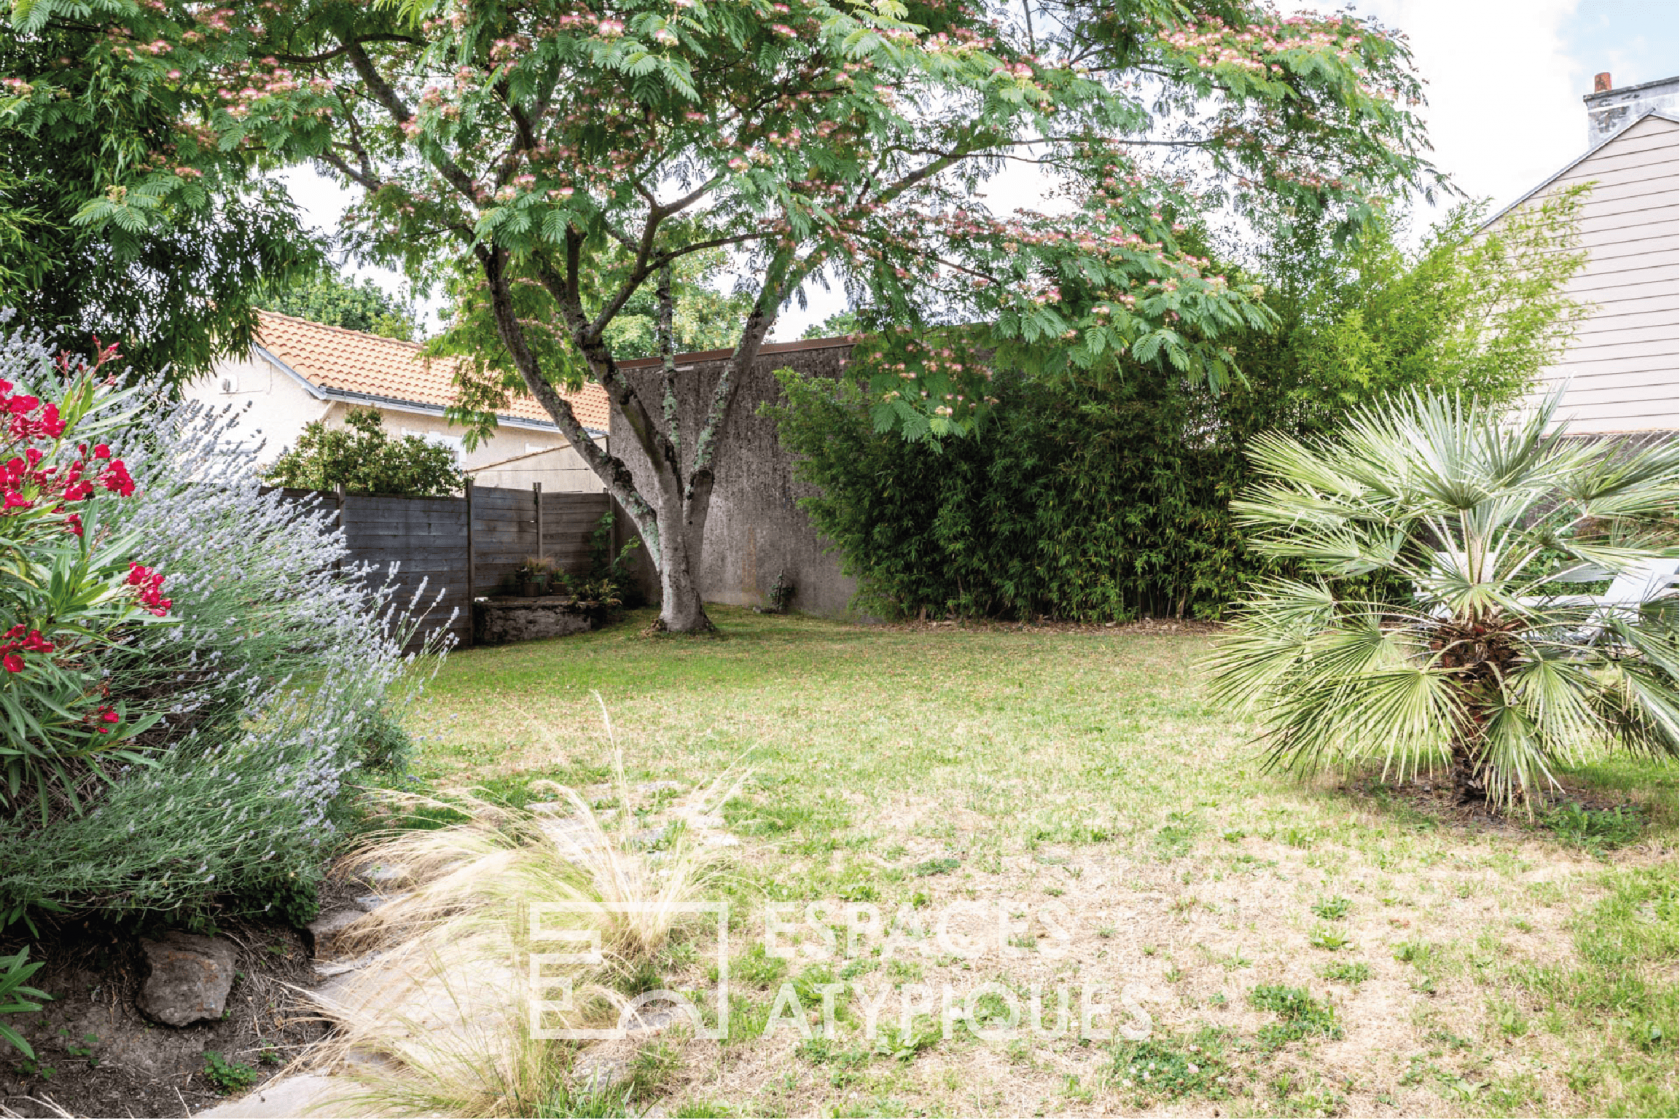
{"x":254,"y":675}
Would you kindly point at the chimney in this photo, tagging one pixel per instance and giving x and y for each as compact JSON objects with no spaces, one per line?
{"x":1609,"y":110}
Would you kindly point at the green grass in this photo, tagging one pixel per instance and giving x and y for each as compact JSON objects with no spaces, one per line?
{"x":915,"y":770}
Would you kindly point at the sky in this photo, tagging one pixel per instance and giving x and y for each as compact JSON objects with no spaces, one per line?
{"x":1505,"y":82}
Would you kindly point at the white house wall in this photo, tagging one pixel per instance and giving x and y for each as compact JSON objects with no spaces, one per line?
{"x":1623,"y":365}
{"x":279,"y":407}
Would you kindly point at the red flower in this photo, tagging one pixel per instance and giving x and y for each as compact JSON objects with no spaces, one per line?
{"x":13,"y":663}
{"x":150,"y":585}
{"x":101,"y":451}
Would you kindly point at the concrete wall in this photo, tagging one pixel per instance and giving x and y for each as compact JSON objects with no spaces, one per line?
{"x":755,"y":529}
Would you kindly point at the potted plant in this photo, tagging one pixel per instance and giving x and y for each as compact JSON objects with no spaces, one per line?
{"x":534,"y":575}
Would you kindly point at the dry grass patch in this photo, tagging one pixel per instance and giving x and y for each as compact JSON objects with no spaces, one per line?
{"x":1084,"y":774}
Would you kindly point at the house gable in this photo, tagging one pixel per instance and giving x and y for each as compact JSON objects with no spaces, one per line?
{"x":1621,"y":366}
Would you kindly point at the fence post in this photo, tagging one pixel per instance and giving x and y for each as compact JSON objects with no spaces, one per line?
{"x":536,"y":499}
{"x":338,"y":494}
{"x":472,"y":571}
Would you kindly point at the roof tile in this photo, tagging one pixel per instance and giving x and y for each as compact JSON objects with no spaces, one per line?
{"x":357,"y":362}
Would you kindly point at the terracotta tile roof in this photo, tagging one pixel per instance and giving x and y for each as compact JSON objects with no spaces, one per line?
{"x":357,"y":362}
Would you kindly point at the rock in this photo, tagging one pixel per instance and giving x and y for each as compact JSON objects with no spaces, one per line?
{"x":649,"y":838}
{"x":499,"y":621}
{"x":572,"y":835}
{"x":368,"y":903}
{"x":649,"y":789}
{"x":191,"y":976}
{"x":328,"y":969}
{"x":382,"y":874}
{"x":323,"y":933}
{"x":598,"y":1071}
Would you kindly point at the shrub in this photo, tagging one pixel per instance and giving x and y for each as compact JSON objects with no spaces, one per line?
{"x":1483,"y":671}
{"x":364,"y":460}
{"x":272,"y":685}
{"x":71,"y":593}
{"x":1082,"y":501}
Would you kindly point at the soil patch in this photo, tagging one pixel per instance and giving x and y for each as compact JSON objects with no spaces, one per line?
{"x":97,"y":1055}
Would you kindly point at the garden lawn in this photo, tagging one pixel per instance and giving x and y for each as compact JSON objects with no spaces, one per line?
{"x":1299,"y":947}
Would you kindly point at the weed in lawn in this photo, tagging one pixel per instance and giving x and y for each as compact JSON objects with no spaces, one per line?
{"x":1332,"y":909}
{"x":893,"y":1041}
{"x":1302,"y":1016}
{"x":1596,"y":830}
{"x":1348,"y":972}
{"x":1329,"y":938}
{"x":1162,"y":1069}
{"x":1175,"y":839}
{"x":942,"y":866}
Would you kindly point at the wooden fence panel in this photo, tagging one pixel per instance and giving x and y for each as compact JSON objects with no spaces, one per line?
{"x":427,"y":539}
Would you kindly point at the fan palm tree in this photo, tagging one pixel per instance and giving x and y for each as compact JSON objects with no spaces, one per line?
{"x":1480,"y":666}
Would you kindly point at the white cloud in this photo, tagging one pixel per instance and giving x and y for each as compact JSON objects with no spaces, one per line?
{"x":1504,"y":109}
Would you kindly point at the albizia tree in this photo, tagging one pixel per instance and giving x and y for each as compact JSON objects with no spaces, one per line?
{"x":542,"y":137}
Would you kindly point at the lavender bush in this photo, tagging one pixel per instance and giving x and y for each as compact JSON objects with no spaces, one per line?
{"x":283,"y":667}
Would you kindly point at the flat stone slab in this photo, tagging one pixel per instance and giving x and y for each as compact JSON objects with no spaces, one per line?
{"x":323,"y":933}
{"x":191,"y":976}
{"x":302,"y":1094}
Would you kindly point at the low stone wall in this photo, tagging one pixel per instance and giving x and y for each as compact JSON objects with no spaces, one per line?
{"x":500,"y":620}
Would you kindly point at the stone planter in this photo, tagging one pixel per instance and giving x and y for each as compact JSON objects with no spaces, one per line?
{"x":502,"y":619}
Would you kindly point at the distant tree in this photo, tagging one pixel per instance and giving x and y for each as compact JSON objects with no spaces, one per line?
{"x":331,"y":298}
{"x":119,"y":218}
{"x":364,"y":460}
{"x":837,"y":324}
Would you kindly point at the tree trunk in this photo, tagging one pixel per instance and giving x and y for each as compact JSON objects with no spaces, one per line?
{"x":680,"y":610}
{"x":1469,"y":783}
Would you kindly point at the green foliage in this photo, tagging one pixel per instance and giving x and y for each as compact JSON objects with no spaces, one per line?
{"x":610,"y":576}
{"x":1302,"y":1016}
{"x":1482,"y":670}
{"x":1595,"y":829}
{"x":1075,"y":501}
{"x":1162,"y":1069}
{"x":120,"y":219}
{"x":1105,"y":494}
{"x":328,"y":297}
{"x":385,"y":747}
{"x":273,"y":677}
{"x":364,"y":460}
{"x":1480,"y":313}
{"x":17,"y":997}
{"x":536,"y":143}
{"x":702,"y":318}
{"x":70,"y":599}
{"x":225,"y":1076}
{"x":836,"y":325}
